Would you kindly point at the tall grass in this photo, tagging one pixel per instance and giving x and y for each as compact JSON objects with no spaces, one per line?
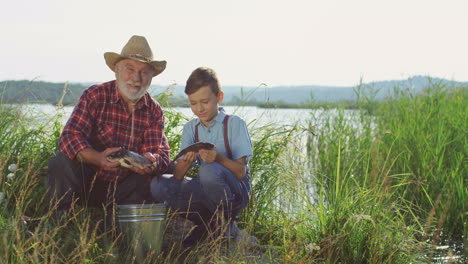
{"x":429,"y":131}
{"x":401,"y":172}
{"x":382,"y":184}
{"x":340,"y":219}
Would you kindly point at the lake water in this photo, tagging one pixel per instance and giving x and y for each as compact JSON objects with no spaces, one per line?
{"x":248,"y":113}
{"x":251,"y":114}
{"x":254,"y":116}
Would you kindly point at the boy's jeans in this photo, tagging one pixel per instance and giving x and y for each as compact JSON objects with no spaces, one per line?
{"x":214,"y":190}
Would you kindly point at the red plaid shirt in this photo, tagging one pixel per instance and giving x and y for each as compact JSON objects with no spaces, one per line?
{"x":102,"y":120}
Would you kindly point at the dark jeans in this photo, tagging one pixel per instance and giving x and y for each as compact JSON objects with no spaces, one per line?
{"x":69,"y":180}
{"x":215,"y":190}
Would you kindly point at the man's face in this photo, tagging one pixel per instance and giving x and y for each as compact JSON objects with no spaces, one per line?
{"x":204,"y":104}
{"x":133,"y":78}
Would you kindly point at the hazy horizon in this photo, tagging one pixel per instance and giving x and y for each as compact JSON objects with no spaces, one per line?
{"x":252,"y":86}
{"x":247,"y":42}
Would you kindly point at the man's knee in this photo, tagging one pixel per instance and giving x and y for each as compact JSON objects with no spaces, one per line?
{"x":61,"y":166}
{"x":55,"y":174}
{"x":65,"y":176}
{"x":55,"y":168}
{"x":58,"y":161}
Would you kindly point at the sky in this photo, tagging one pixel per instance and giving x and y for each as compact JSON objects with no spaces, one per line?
{"x":247,"y":42}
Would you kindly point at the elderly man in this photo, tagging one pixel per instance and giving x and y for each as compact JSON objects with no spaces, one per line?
{"x":108,"y":117}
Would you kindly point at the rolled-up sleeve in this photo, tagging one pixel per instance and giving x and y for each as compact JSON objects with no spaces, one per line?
{"x":239,"y":139}
{"x":77,"y":129}
{"x":188,"y":136}
{"x":155,"y":141}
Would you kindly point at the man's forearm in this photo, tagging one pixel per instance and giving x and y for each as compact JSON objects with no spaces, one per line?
{"x":88,"y":155}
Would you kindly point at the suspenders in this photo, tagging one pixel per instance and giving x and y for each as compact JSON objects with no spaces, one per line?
{"x":226,"y":140}
{"x":238,"y":202}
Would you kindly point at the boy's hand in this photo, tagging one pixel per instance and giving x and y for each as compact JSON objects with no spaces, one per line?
{"x":190,"y":157}
{"x":208,"y":155}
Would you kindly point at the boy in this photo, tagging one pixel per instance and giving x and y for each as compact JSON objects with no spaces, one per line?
{"x":222,"y":187}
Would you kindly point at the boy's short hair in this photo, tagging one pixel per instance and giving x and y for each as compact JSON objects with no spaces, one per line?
{"x":201,"y":77}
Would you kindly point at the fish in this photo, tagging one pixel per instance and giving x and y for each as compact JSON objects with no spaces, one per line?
{"x":194,"y":148}
{"x":128,"y":158}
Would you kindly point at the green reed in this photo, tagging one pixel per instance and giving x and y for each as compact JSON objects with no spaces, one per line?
{"x":340,"y":219}
{"x":427,"y":134}
{"x":401,"y":170}
{"x":24,"y":153}
{"x":375,"y":185}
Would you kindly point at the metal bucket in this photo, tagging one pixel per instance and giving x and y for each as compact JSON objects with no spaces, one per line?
{"x":142,"y":226}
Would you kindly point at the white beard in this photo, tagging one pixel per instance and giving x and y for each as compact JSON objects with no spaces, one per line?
{"x":132,"y":95}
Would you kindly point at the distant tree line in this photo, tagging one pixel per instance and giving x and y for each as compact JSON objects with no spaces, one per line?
{"x":306,"y":96}
{"x":25,"y":91}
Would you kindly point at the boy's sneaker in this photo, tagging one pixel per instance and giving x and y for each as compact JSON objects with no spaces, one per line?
{"x":232,"y":231}
{"x":198,"y":234}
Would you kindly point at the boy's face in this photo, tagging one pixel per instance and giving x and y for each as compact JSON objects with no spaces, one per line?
{"x":204,"y":104}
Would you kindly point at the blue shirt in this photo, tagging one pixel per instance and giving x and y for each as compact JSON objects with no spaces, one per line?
{"x":238,"y":135}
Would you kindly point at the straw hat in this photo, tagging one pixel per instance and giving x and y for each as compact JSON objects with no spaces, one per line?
{"x":137,"y":48}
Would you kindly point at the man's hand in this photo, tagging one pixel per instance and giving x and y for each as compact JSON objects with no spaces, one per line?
{"x":147,"y":171}
{"x":99,"y":159}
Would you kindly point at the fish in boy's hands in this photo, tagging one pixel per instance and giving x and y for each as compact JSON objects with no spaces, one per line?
{"x":194,"y":148}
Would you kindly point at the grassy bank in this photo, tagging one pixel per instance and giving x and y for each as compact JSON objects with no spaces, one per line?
{"x":382,"y":184}
{"x":403,"y":169}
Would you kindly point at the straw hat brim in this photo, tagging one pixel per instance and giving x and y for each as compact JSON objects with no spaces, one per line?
{"x":112,"y":58}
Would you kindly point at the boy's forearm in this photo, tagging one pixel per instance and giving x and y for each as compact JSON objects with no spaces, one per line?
{"x":181,"y":167}
{"x":237,"y":167}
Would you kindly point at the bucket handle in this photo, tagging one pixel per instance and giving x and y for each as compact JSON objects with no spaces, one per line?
{"x":142,"y":220}
{"x":137,"y":215}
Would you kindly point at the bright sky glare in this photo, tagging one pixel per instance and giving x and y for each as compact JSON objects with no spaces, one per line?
{"x":247,"y":42}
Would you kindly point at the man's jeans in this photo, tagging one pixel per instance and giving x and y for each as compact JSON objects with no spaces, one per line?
{"x":68,"y":180}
